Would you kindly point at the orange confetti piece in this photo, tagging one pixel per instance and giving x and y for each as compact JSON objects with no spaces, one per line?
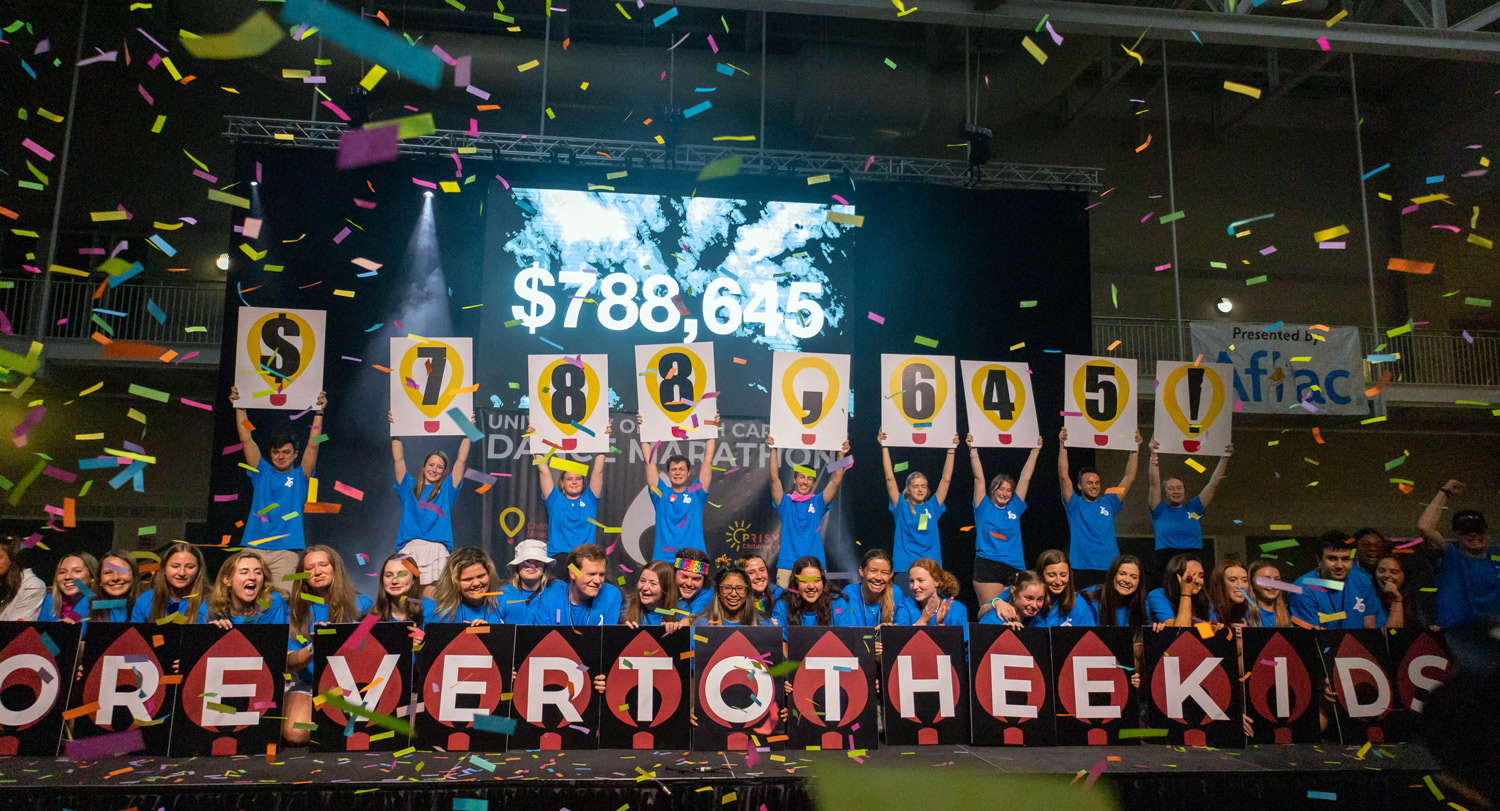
{"x":1385,"y":380}
{"x":78,"y":712}
{"x":1408,"y":266}
{"x":1318,"y":436}
{"x":740,"y":361}
{"x":1142,"y":147}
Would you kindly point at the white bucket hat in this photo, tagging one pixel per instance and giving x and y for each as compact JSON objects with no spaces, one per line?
{"x":530,"y":550}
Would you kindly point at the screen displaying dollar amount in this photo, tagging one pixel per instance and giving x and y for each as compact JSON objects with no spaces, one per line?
{"x":727,"y":306}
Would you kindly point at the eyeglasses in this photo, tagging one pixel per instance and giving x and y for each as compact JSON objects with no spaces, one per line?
{"x":733,"y":589}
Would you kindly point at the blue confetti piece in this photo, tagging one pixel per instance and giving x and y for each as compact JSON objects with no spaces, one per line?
{"x":473,"y":433}
{"x":495,"y":401}
{"x":481,"y":762}
{"x":116,"y":281}
{"x":490,"y":723}
{"x":355,"y":34}
{"x":1195,"y":36}
{"x":367,"y":273}
{"x":1382,"y":358}
{"x":377,"y":326}
{"x":127,"y":474}
{"x":471,"y":805}
{"x":724,"y":69}
{"x":696,"y":109}
{"x":1276,"y":326}
{"x":558,"y":347}
{"x":1374,"y":172}
{"x":105,"y":605}
{"x":239,"y":291}
{"x":665,"y":16}
{"x":50,"y":645}
{"x":1436,"y":179}
{"x":1322,"y":795}
{"x":704,"y":89}
{"x":162,"y":243}
{"x":580,"y":427}
{"x":110,"y":312}
{"x":156,"y":312}
{"x":33,"y":73}
{"x":94,"y":464}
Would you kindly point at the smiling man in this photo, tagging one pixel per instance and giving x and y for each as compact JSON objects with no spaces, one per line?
{"x":1340,"y":601}
{"x":1467,"y":568}
{"x":280,"y":488}
{"x":585,"y":599}
{"x":1174,"y":516}
{"x":679,"y":505}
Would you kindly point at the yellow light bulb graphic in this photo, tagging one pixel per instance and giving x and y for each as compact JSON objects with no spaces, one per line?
{"x":816,"y":401}
{"x":434,"y":397}
{"x":696,"y":372}
{"x":278,"y":359}
{"x":1014,"y":395}
{"x":568,"y":394}
{"x":1197,"y":415}
{"x":1101,"y":388}
{"x":919,"y":389}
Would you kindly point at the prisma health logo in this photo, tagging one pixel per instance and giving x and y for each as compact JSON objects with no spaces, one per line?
{"x":741,"y":539}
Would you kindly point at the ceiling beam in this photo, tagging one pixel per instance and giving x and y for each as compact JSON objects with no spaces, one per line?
{"x":1128,"y":21}
{"x":1480,"y":20}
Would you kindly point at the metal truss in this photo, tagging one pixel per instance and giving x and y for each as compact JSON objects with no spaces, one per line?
{"x":689,"y":157}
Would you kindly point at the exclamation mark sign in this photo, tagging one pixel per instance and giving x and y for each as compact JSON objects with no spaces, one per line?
{"x":1195,"y":396}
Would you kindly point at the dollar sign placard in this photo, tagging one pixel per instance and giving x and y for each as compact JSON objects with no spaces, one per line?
{"x":917,"y":402}
{"x":531,"y":285}
{"x":569,"y":399}
{"x":1001,"y":408}
{"x":1099,"y":402}
{"x":809,"y":397}
{"x":428,"y":379}
{"x":1191,"y":416}
{"x":676,"y":391}
{"x":279,"y":357}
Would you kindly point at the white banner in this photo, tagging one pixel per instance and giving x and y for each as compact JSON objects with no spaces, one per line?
{"x":283,"y":350}
{"x":917,"y":400}
{"x":676,"y":391}
{"x":1194,"y":407}
{"x":426,"y":377}
{"x":570,"y":401}
{"x":808,"y":393}
{"x":1274,"y":370}
{"x":1001,"y":407}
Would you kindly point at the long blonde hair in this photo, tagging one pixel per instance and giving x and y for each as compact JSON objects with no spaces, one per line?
{"x":59,"y":601}
{"x":161,"y":592}
{"x":222,"y":604}
{"x":341,"y":599}
{"x":411,"y":600}
{"x":449,"y":594}
{"x":1283,"y":613}
{"x":635,"y":612}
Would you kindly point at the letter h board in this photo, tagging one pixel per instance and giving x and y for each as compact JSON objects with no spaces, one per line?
{"x":926,"y":679}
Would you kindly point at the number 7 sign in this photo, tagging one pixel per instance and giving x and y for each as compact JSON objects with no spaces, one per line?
{"x":1001,"y":408}
{"x":429,"y":377}
{"x":1099,"y":402}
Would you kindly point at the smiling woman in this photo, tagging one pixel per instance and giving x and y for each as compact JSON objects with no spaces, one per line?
{"x":242,"y":594}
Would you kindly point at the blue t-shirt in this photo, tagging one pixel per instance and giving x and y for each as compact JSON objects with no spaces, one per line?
{"x":568,"y":520}
{"x":46,"y":614}
{"x":780,"y":615}
{"x":801,"y":529}
{"x":1467,"y":588}
{"x":858,"y":613}
{"x":1092,"y":597}
{"x":1160,"y":609}
{"x":288,"y":491}
{"x":1267,"y":618}
{"x":1082,"y":616}
{"x":515,"y":604}
{"x":1356,"y":600}
{"x":273,"y":614}
{"x":908,"y":612}
{"x":1367,"y":582}
{"x":463,"y":613}
{"x":1091,"y":528}
{"x":679,"y":519}
{"x":991,"y":521}
{"x":1177,"y":527}
{"x":649,"y":618}
{"x":424,"y":523}
{"x":700,"y":601}
{"x":316,"y":613}
{"x":916,"y":538}
{"x":141,"y":611}
{"x":555,"y":606}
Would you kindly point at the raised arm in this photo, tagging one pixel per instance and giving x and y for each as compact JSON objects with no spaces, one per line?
{"x":596,"y":476}
{"x":1153,"y":496}
{"x":1024,"y":482}
{"x":977,"y":468}
{"x":1213,"y":481}
{"x":1187,"y":587}
{"x":1130,"y":467}
{"x":398,"y":454}
{"x":310,"y":456}
{"x":1064,"y":481}
{"x":706,"y":472}
{"x":247,"y":442}
{"x":1428,"y":523}
{"x":832,"y":488}
{"x":652,"y":474}
{"x":941,"y":494}
{"x":777,"y":490}
{"x":891,"y":490}
{"x":543,"y":472}
{"x":461,"y":461}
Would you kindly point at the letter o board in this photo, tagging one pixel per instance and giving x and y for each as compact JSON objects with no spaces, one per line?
{"x":36,"y":668}
{"x":833,"y":699}
{"x":1359,"y":669}
{"x":1283,"y":688}
{"x":123,"y":671}
{"x":1095,"y":701}
{"x":230,"y":701}
{"x":555,"y":704}
{"x":736,"y":695}
{"x":1015,"y":696}
{"x":1193,"y":688}
{"x":647,"y":694}
{"x":925,"y":685}
{"x":374,"y":672}
{"x":464,"y":676}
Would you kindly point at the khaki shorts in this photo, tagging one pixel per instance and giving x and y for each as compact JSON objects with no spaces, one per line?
{"x":279,"y":563}
{"x":430,"y":558}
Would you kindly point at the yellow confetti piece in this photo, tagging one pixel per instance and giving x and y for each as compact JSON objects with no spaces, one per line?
{"x":373,"y":77}
{"x":344,"y":293}
{"x":815,"y":179}
{"x":106,"y":216}
{"x":449,"y":186}
{"x":1193,"y":463}
{"x":1020,"y":345}
{"x":1330,"y":233}
{"x":1339,"y":16}
{"x":527,"y":66}
{"x":1475,"y":239}
{"x":1137,"y":56}
{"x":1322,"y":618}
{"x":1281,"y":527}
{"x":1243,"y":89}
{"x":1036,"y":53}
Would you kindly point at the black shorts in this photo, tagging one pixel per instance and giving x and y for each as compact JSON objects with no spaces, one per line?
{"x":993,"y":571}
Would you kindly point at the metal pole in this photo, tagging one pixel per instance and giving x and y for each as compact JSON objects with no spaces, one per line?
{"x":39,"y":317}
{"x":968,"y":77}
{"x":1166,"y":91}
{"x":1364,"y":205}
{"x":319,"y":68}
{"x":762,"y":81}
{"x":546,"y":48}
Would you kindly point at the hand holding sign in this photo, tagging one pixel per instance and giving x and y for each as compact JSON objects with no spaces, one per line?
{"x":917,"y":391}
{"x":284,"y":349}
{"x":1001,"y":408}
{"x":1099,"y":403}
{"x":1190,"y":407}
{"x":569,"y":401}
{"x":427,"y":379}
{"x":807,"y":400}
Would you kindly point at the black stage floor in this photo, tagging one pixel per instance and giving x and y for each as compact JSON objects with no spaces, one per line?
{"x":1267,"y":778}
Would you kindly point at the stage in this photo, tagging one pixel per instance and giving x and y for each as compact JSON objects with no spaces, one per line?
{"x":1145,"y":776}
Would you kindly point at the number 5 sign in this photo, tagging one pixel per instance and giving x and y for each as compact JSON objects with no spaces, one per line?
{"x":428,"y":377}
{"x":1001,"y":408}
{"x":671,"y":381}
{"x":284,"y":349}
{"x":807,"y":400}
{"x":1190,"y":412}
{"x":918,"y":391}
{"x":570,"y":401}
{"x":1099,"y":402}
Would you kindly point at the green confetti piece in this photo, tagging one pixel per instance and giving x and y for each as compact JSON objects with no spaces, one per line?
{"x":1114,"y":296}
{"x":1028,"y":304}
{"x":783,"y":668}
{"x":1274,"y":545}
{"x":1395,"y":463}
{"x":1219,"y":265}
{"x":150,"y":394}
{"x":1173,"y":217}
{"x":1142,"y":733}
{"x":1255,"y":280}
{"x":925,"y":341}
{"x":1477,"y":302}
{"x":890,"y":64}
{"x":899,"y":466}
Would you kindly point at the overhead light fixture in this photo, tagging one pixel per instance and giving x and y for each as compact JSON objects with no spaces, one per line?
{"x":223,"y":262}
{"x":1225,"y":305}
{"x":426,"y":194}
{"x":255,"y":183}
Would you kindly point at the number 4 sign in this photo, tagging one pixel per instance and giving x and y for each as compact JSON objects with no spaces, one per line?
{"x":1099,"y":402}
{"x":427,"y":379}
{"x":1001,"y":408}
{"x":671,"y":383}
{"x":917,"y":397}
{"x":570,"y":401}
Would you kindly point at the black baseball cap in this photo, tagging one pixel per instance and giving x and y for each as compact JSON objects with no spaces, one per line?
{"x":1469,"y":521}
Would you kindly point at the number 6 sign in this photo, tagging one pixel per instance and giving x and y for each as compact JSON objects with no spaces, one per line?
{"x":1001,"y":408}
{"x":918,"y":390}
{"x":570,"y":401}
{"x":427,"y":379}
{"x":671,"y":381}
{"x":1099,"y":402}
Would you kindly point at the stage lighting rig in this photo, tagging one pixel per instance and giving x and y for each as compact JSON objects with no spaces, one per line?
{"x":979,"y":139}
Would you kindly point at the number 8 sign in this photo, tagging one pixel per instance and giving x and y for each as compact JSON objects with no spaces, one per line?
{"x":570,"y":401}
{"x":671,"y":383}
{"x":428,"y":377}
{"x":1099,"y":402}
{"x":919,"y":392}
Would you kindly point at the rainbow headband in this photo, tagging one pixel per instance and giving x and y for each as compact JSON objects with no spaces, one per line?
{"x":692,"y":566}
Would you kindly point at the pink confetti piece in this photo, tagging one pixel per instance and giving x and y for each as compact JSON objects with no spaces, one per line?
{"x":1452,"y":228}
{"x":463,"y":70}
{"x":230,"y":497}
{"x":713,"y":44}
{"x":145,"y":95}
{"x":1323,"y":43}
{"x":205,"y":175}
{"x":473,"y":127}
{"x":1098,"y":767}
{"x":336,"y":111}
{"x":503,"y":182}
{"x":1070,"y":413}
{"x":1268,"y":250}
{"x":1056,"y":37}
{"x":154,"y":61}
{"x":870,"y":162}
{"x":228,"y":449}
{"x":352,"y":492}
{"x":341,"y":235}
{"x":680,"y":41}
{"x":425,"y":183}
{"x":188,"y":356}
{"x":879,"y":319}
{"x":91,"y":251}
{"x":196,"y":404}
{"x":163,"y":48}
{"x":1330,"y":246}
{"x":1468,"y":337}
{"x":1148,"y":216}
{"x":474,"y":91}
{"x":315,"y":80}
{"x":1167,"y":266}
{"x":106,"y":56}
{"x":1409,"y":209}
{"x":841,"y":200}
{"x":364,"y":203}
{"x":443,"y":55}
{"x":45,"y":154}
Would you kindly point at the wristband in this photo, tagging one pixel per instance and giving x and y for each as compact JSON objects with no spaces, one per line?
{"x":1445,"y":491}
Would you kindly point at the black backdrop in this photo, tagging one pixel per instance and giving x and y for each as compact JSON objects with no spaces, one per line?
{"x":947,"y":263}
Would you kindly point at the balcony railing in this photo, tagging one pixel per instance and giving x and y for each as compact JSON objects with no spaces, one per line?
{"x":1428,"y":356}
{"x":190,"y":313}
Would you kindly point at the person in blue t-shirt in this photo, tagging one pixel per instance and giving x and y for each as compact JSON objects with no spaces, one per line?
{"x":1176,"y":518}
{"x":242,"y":594}
{"x":426,"y":529}
{"x":654,"y":602}
{"x":809,"y":601}
{"x":801,"y":513}
{"x":336,"y":601}
{"x":1182,"y":599}
{"x":1271,"y":609}
{"x":1467,"y":568}
{"x":933,"y":599}
{"x":572,"y":508}
{"x":1027,"y":598}
{"x":1064,"y":606}
{"x":69,"y":599}
{"x":280,"y":490}
{"x":120,"y":584}
{"x":584,"y":599}
{"x":466,"y":591}
{"x":763,"y":593}
{"x":997,"y":524}
{"x":872,"y":600}
{"x":178,"y":587}
{"x":1119,"y":602}
{"x":529,"y":578}
{"x":916,"y":514}
{"x":693,"y":570}
{"x":731,"y":601}
{"x":400,"y":596}
{"x":1336,"y":600}
{"x":679,"y":506}
{"x":1091,"y":514}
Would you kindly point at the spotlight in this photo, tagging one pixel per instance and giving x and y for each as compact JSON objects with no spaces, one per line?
{"x":979,"y":148}
{"x":426,"y":194}
{"x":255,"y":183}
{"x":1225,"y":305}
{"x":223,"y":261}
